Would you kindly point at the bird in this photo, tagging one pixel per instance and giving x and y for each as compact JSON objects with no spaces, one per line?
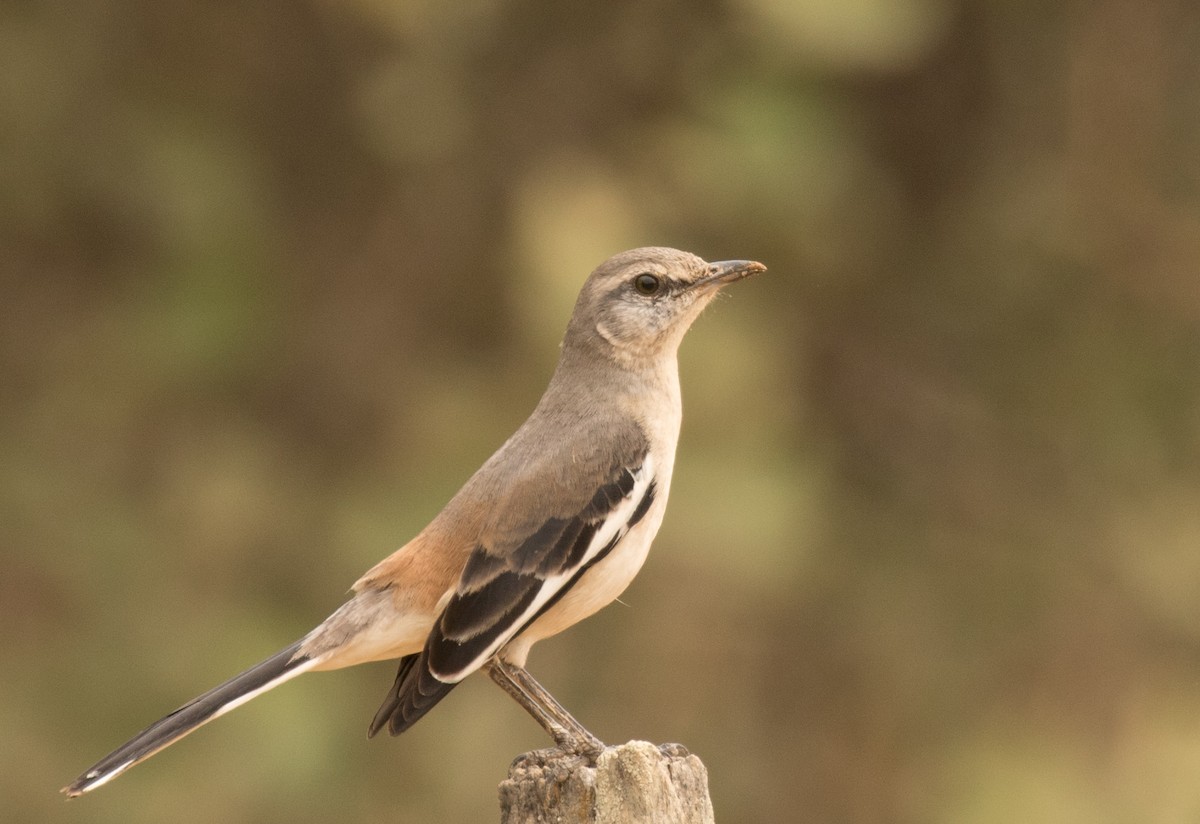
{"x":550,"y":529}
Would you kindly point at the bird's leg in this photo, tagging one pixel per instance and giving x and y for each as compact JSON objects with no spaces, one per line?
{"x":568,"y":734}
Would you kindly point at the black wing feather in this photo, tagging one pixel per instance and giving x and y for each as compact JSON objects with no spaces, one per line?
{"x":493,"y":594}
{"x":472,"y":620}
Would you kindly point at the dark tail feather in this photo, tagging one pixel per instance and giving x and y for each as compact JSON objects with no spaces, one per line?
{"x":413,"y":694}
{"x":200,"y":710}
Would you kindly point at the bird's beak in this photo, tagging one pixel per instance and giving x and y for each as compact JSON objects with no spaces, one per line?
{"x":727,"y":271}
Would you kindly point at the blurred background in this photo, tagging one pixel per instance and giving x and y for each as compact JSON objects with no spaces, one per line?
{"x":275,"y":278}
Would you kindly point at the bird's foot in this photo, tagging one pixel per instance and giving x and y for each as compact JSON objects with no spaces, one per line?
{"x":674,"y":750}
{"x":579,"y":742}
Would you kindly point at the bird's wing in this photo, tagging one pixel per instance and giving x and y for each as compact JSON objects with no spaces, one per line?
{"x":506,"y":586}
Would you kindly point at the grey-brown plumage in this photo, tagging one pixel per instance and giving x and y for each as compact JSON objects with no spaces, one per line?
{"x":550,"y":529}
{"x":495,"y":593}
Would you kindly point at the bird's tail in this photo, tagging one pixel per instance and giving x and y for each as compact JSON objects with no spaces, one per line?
{"x":219,"y":700}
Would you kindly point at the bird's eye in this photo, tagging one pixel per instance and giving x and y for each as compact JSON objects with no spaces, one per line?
{"x":647,"y":284}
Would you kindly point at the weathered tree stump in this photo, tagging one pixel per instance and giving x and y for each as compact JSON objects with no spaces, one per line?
{"x":635,"y":783}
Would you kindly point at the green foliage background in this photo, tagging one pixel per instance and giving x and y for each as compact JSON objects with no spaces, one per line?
{"x":276,"y":277}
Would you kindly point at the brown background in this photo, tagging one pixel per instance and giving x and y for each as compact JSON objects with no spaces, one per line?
{"x":276,"y":277}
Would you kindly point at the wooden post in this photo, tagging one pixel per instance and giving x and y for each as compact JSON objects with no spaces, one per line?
{"x":635,"y":783}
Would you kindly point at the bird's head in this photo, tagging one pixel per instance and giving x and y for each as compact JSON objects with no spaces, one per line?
{"x":639,"y":304}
